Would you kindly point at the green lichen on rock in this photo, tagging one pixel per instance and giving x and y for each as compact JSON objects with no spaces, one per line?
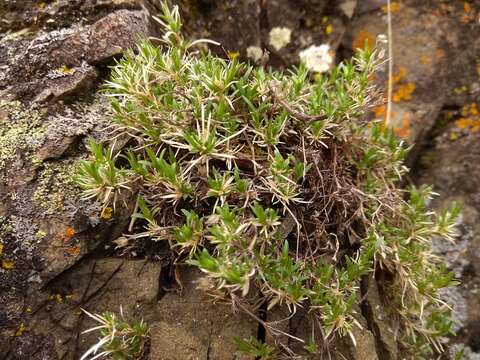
{"x":55,"y":186}
{"x":20,"y":131}
{"x":6,"y":227}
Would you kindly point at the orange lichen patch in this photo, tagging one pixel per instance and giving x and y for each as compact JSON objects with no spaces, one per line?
{"x":400,"y":75}
{"x":380,"y":111}
{"x":439,"y":53}
{"x":107,"y":213}
{"x":74,"y":250}
{"x":394,"y":7}
{"x":404,"y":130}
{"x":8,"y":264}
{"x":362,"y":39}
{"x":470,"y":119}
{"x":467,"y":15}
{"x":69,"y":233}
{"x":425,"y":60}
{"x":478,"y":68}
{"x":328,"y":29}
{"x":471,"y":110}
{"x":404,"y":92}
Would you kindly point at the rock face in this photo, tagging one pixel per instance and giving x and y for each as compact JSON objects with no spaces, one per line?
{"x":55,"y":249}
{"x":45,"y":228}
{"x":61,"y":62}
{"x":429,"y":40}
{"x":190,"y":326}
{"x":94,"y":285}
{"x":452,"y":165}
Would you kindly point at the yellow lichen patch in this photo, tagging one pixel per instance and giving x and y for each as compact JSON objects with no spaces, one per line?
{"x":65,"y":70}
{"x":40,"y":234}
{"x":309,"y":22}
{"x":460,"y":90}
{"x":394,"y":7}
{"x":1,"y":249}
{"x":453,"y":136}
{"x":328,"y":29}
{"x":363,"y":39}
{"x":8,"y":264}
{"x":20,"y":330}
{"x":404,"y":130}
{"x":404,"y":92}
{"x":233,"y":55}
{"x":470,"y":119}
{"x":57,"y":297}
{"x":107,"y":213}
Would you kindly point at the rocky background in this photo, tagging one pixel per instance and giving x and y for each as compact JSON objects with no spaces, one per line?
{"x":56,"y":251}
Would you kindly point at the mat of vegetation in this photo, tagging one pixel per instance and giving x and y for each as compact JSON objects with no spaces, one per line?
{"x":276,"y":185}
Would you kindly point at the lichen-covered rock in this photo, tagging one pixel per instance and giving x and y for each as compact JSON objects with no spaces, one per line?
{"x":452,"y":165}
{"x":45,"y":227}
{"x":428,"y":40}
{"x":54,"y":314}
{"x":50,"y":15}
{"x":60,"y":63}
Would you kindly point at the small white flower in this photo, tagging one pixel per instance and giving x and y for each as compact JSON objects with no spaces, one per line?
{"x":382,"y":38}
{"x":348,"y":7}
{"x":254,"y":53}
{"x":317,"y":58}
{"x":279,"y":37}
